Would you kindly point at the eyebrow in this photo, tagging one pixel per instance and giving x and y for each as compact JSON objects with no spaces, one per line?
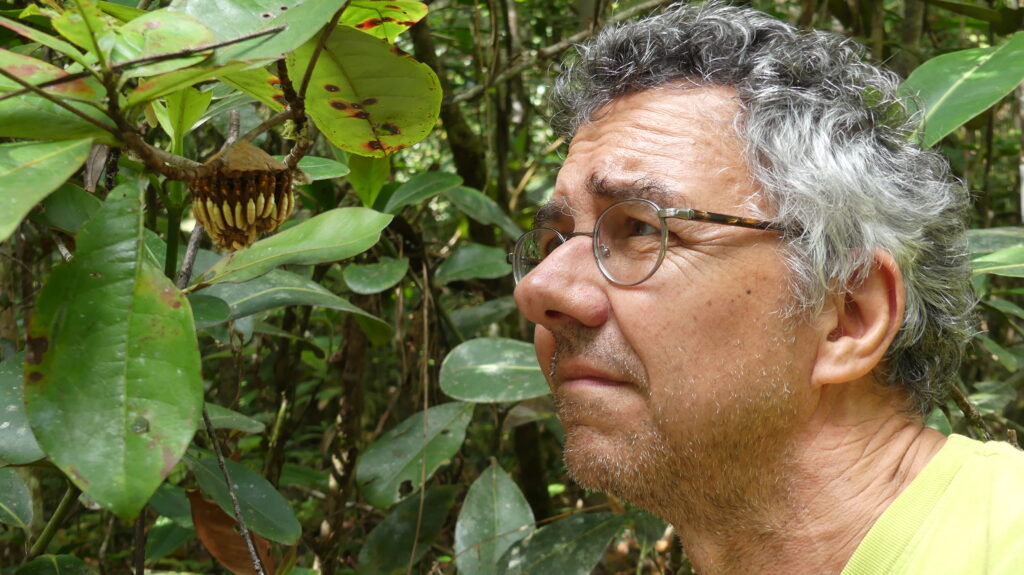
{"x":612,"y":191}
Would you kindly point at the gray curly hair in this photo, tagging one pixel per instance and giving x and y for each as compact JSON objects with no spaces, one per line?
{"x":832,"y":147}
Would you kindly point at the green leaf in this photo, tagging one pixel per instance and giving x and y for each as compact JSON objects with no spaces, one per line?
{"x":473,"y":261}
{"x":36,"y":71}
{"x":155,"y":33}
{"x":120,"y":11}
{"x":405,"y":535}
{"x":280,"y":288}
{"x":938,"y":421}
{"x":330,"y":236}
{"x":570,"y":546}
{"x":472,"y":320}
{"x":45,"y":39}
{"x":30,"y":171}
{"x":988,"y":240}
{"x":260,"y":84}
{"x":377,"y":277}
{"x":86,"y":26}
{"x":384,"y":19}
{"x":993,"y":396}
{"x":15,"y":499}
{"x":156,"y":86}
{"x":491,"y":370}
{"x":208,"y":310}
{"x":366,"y":98}
{"x":171,"y":502}
{"x":1008,"y":262}
{"x":391,"y":467}
{"x":1007,"y":307}
{"x":165,"y":537}
{"x":264,"y":509}
{"x":368,"y":176}
{"x":421,"y":188}
{"x":494,"y":516}
{"x":483,"y":209}
{"x":55,"y":565}
{"x":184,"y":108}
{"x":31,"y":117}
{"x":68,"y":208}
{"x":999,"y":352}
{"x":17,"y":442}
{"x":955,"y":87}
{"x":224,"y":418}
{"x":320,"y":168}
{"x":112,"y":373}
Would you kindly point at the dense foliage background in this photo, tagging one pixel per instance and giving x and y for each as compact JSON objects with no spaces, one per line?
{"x":368,"y":387}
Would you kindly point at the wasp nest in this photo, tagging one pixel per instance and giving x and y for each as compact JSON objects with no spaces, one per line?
{"x":244,"y":193}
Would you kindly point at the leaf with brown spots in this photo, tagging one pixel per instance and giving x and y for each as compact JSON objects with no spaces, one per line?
{"x":36,"y":71}
{"x":384,"y":19}
{"x":217,"y":531}
{"x":366,"y":99}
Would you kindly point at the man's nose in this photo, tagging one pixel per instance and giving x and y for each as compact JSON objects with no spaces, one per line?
{"x":567,"y":287}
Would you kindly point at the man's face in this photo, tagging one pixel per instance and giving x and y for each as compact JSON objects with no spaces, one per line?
{"x":689,"y":382}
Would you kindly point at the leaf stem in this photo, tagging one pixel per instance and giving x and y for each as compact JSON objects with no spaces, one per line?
{"x":242,"y":527}
{"x":58,"y":517}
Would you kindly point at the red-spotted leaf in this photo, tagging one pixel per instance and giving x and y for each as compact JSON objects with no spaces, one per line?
{"x":36,"y":71}
{"x":366,"y":96}
{"x":383,"y":18}
{"x":113,"y":389}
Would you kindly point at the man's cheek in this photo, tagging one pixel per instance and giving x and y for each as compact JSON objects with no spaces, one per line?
{"x":544,"y":346}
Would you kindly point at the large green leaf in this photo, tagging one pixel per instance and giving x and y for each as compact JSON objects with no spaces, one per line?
{"x":17,"y":442}
{"x":36,"y":71}
{"x":483,"y":209}
{"x":85,"y":25}
{"x":383,"y":18}
{"x":375,"y":277}
{"x":473,"y":261}
{"x":155,"y":33}
{"x":280,"y":288}
{"x":570,"y":546}
{"x":494,"y":516}
{"x":113,"y":387}
{"x":264,"y":509}
{"x":365,"y":97}
{"x":31,"y":117}
{"x":55,"y":565}
{"x":988,"y":240}
{"x":68,"y":207}
{"x":955,"y":87}
{"x":493,"y":369}
{"x":405,"y":535}
{"x":330,"y":236}
{"x":397,"y":464}
{"x":15,"y":499}
{"x":1008,"y":262}
{"x":421,"y":188}
{"x":29,"y":171}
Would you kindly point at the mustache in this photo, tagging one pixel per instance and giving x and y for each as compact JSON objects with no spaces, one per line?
{"x":602,"y":349}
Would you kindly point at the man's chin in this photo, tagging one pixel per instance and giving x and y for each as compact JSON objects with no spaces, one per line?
{"x":624,"y":467}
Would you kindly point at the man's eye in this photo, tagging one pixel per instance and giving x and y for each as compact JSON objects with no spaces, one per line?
{"x":641,"y":228}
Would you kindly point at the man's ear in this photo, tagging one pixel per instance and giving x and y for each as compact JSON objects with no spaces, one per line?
{"x":860,"y":325}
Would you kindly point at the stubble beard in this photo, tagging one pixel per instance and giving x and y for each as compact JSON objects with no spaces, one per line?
{"x":726,"y":464}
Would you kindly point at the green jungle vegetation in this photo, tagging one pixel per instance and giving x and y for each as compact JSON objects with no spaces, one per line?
{"x":361,"y":375}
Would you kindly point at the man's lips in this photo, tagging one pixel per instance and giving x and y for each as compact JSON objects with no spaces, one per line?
{"x":579,"y":374}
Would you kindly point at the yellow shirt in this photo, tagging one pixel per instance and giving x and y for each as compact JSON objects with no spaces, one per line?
{"x":963,"y":515}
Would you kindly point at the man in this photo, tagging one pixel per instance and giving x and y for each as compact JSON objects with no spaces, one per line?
{"x":750,"y":286}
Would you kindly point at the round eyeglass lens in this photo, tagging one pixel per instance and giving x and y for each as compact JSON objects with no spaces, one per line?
{"x":629,"y":241}
{"x":531,"y":249}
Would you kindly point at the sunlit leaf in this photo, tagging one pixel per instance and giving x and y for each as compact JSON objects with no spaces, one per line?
{"x":1007,"y":262}
{"x":36,"y":71}
{"x":113,"y":405}
{"x":265,"y":511}
{"x":29,"y":171}
{"x":570,"y":546}
{"x":473,"y":261}
{"x":87,"y":26}
{"x":17,"y":442}
{"x":492,"y":369}
{"x":366,"y":98}
{"x":15,"y":499}
{"x":330,"y":236}
{"x":955,"y":87}
{"x":375,"y":277}
{"x":406,"y":535}
{"x":393,"y":466}
{"x":45,"y":39}
{"x":383,"y":18}
{"x":494,"y":516}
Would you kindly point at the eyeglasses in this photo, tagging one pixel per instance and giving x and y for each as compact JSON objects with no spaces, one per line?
{"x":629,"y":239}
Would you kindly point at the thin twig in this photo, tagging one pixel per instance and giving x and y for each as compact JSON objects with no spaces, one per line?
{"x":278,"y":118}
{"x":425,"y":382}
{"x":1011,"y":436}
{"x":257,"y":563}
{"x":553,"y":50}
{"x":140,"y":543}
{"x":58,"y":517}
{"x":46,"y":95}
{"x":63,"y":249}
{"x":319,"y":48}
{"x":970,"y":412}
{"x":187,"y":263}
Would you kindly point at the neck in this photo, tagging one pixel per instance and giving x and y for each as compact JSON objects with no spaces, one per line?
{"x":816,"y":502}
